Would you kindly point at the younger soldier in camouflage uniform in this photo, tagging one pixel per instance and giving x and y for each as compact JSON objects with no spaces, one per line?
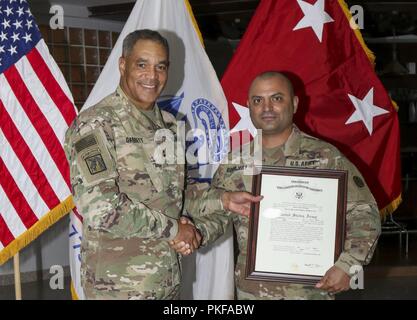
{"x":272,"y":105}
{"x":130,"y":204}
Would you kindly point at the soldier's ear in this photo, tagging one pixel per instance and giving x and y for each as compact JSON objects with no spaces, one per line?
{"x":122,"y":66}
{"x":295,"y":101}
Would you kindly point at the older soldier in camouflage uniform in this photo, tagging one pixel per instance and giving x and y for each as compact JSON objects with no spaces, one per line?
{"x":272,"y":104}
{"x":130,"y":203}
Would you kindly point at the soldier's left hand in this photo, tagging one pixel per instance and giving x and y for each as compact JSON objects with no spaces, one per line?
{"x":334,"y":281}
{"x":239,"y":202}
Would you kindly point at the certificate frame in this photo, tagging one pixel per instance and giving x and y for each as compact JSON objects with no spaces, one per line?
{"x":340,"y":176}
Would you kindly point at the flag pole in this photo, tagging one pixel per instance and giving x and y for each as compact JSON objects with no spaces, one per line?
{"x":17,"y":283}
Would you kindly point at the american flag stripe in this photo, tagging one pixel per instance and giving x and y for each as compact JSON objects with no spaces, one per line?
{"x":12,"y":191}
{"x":31,"y":149}
{"x":38,"y":120}
{"x":5,"y":235}
{"x":25,"y":170}
{"x":57,"y":74}
{"x":24,"y":182}
{"x":63,"y":104}
{"x":10,"y":216}
{"x":42,"y":97}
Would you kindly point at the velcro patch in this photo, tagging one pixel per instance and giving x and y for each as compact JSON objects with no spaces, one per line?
{"x":93,"y":158}
{"x":95,"y":164}
{"x":302,"y":163}
{"x":85,"y":143}
{"x":358,"y":181}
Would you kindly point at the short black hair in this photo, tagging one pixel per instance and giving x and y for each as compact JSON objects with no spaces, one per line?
{"x":143,"y":34}
{"x":277,"y":74}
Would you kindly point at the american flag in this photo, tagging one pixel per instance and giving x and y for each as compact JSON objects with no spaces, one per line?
{"x":36,"y":108}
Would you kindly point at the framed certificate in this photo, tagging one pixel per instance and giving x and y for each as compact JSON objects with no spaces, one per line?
{"x":297,"y":231}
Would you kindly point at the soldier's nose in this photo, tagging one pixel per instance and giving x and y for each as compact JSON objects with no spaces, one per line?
{"x":267,"y":106}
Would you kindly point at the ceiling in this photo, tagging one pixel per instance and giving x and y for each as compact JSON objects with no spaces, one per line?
{"x":229,"y":18}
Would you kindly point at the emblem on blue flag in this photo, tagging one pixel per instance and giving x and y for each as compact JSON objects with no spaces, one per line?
{"x":207,"y":116}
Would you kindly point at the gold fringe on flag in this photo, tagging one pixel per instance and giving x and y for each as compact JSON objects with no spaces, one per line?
{"x":395,"y":105}
{"x":74,"y":294}
{"x":396,"y":202}
{"x":391,"y":207}
{"x":358,"y":34}
{"x":31,"y":234}
{"x":196,"y":28}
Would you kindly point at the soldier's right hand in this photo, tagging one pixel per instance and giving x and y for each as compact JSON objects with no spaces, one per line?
{"x":188,"y":238}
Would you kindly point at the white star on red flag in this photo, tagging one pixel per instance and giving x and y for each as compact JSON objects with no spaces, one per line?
{"x":245,"y":122}
{"x":314,"y":16}
{"x":365,"y":111}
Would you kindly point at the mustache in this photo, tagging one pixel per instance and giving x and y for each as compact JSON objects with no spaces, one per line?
{"x":268,"y":114}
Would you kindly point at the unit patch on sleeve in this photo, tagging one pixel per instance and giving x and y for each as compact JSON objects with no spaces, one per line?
{"x":93,"y":158}
{"x":95,"y":164}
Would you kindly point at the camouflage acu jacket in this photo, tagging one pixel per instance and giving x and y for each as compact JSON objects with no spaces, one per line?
{"x":362,"y":221}
{"x":130,"y":203}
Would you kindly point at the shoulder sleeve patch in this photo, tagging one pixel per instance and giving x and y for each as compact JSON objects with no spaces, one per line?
{"x":93,"y":158}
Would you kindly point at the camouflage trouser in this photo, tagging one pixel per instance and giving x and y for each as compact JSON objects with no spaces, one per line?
{"x":298,"y":294}
{"x":129,"y":295}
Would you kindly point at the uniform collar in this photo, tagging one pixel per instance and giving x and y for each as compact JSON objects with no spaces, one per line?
{"x":290,"y":148}
{"x":132,"y":109}
{"x":293,"y":143}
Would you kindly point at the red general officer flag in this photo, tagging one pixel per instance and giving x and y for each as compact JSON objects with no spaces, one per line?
{"x":342,"y":100}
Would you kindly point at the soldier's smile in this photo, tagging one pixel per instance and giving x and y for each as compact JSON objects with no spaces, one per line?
{"x":144,"y":73}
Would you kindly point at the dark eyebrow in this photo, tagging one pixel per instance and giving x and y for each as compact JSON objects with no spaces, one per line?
{"x":272,"y":95}
{"x":278,"y":94}
{"x":165,"y":62}
{"x":141,"y":60}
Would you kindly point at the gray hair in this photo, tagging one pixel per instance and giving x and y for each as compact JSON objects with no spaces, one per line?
{"x":144,"y":34}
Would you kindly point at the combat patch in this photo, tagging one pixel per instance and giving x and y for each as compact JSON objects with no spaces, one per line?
{"x":95,"y":164}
